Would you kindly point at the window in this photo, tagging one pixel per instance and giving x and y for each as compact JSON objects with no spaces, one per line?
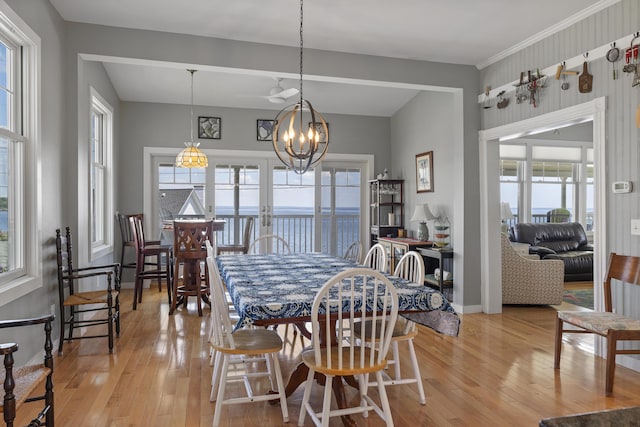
{"x":101,"y":181}
{"x":548,"y":182}
{"x":20,"y":261}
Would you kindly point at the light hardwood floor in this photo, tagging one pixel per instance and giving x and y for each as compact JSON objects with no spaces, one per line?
{"x":497,"y":372}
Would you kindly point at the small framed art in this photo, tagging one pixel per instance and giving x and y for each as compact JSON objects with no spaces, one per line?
{"x":320,"y":130}
{"x":424,"y":172}
{"x":264,"y":130}
{"x":209,"y":127}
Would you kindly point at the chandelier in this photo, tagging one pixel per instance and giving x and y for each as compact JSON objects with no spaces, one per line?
{"x":191,"y":156}
{"x":300,"y":133}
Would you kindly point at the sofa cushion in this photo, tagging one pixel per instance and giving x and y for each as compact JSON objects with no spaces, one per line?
{"x":574,"y":261}
{"x":569,"y":236}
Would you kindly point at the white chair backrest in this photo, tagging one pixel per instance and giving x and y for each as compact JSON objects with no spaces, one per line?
{"x":376,"y":258}
{"x":342,"y":295}
{"x":220,"y":321}
{"x":353,"y":252}
{"x":269,"y":244}
{"x":211,"y":251}
{"x":411,"y":267}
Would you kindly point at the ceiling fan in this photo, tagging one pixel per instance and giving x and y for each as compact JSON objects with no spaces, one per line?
{"x":278,"y":94}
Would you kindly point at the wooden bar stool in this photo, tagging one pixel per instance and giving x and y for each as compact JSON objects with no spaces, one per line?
{"x":190,"y":251}
{"x":144,"y":250}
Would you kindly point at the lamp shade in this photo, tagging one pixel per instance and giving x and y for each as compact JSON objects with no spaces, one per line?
{"x":505,"y":211}
{"x":422,"y":213}
{"x":191,"y":157}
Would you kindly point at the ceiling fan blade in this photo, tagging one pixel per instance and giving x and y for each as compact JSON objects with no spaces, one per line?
{"x":287,"y":93}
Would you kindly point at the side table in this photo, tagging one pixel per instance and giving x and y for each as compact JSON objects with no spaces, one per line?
{"x":445,"y":259}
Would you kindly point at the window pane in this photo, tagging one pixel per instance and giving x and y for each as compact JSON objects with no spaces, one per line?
{"x":5,"y":87}
{"x":4,"y":206}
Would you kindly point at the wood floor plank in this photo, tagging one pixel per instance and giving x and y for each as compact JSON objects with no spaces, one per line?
{"x":498,"y":372}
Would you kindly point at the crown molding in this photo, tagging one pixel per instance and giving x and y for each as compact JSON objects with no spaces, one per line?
{"x":566,"y":23}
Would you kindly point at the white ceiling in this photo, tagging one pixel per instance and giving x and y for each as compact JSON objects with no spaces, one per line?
{"x":468,"y":32}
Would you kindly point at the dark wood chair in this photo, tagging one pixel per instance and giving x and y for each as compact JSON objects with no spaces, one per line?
{"x":190,"y":251}
{"x":612,"y":326}
{"x":73,"y":303}
{"x":20,"y":383}
{"x":144,"y":250}
{"x":127,"y":239}
{"x":246,"y":240}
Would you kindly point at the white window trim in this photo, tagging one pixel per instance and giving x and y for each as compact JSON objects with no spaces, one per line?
{"x":13,"y":26}
{"x":96,"y":101}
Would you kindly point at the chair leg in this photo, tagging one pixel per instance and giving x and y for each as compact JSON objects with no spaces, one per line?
{"x":384,"y":401}
{"x":138,"y":282}
{"x":61,"y":329}
{"x":611,"y":364}
{"x":169,"y":273}
{"x":558,"y":346}
{"x":281,"y":391}
{"x":396,"y":360}
{"x":174,"y":290}
{"x":416,"y":371}
{"x":110,"y":321}
{"x":326,"y":402}
{"x":117,"y":315}
{"x":221,"y":387}
{"x":215,"y":376}
{"x":159,"y":269}
{"x":304,"y":407}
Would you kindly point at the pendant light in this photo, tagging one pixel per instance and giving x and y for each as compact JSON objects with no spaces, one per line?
{"x":300,"y":133}
{"x":191,"y":156}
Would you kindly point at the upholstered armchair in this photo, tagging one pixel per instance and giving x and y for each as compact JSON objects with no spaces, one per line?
{"x":529,"y":280}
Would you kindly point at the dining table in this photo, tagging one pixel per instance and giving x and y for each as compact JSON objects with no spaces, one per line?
{"x":271,"y":289}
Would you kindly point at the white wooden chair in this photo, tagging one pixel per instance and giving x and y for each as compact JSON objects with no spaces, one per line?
{"x":238,"y":347}
{"x":354,"y":252}
{"x":376,"y":258}
{"x":410,"y":267}
{"x":269,"y":244}
{"x":334,"y":356}
{"x":211,"y":251}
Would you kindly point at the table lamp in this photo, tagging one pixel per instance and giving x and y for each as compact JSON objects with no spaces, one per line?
{"x":505,"y":215}
{"x":422,"y":214}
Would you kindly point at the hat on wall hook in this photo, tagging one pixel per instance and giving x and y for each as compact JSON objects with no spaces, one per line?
{"x":502,"y":101}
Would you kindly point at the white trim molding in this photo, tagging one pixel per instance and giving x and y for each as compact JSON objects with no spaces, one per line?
{"x":491,"y":277}
{"x":556,"y":28}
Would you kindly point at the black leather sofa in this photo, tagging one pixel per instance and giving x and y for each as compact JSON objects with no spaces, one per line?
{"x":563,"y":241}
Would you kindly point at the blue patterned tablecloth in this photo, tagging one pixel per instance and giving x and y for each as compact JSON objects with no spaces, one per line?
{"x":280,"y":286}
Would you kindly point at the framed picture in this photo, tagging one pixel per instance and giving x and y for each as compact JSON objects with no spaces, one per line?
{"x":209,"y":127}
{"x":320,"y":130}
{"x":264,"y":130}
{"x":424,"y":172}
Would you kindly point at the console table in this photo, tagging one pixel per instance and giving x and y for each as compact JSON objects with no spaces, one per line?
{"x":444,"y":257}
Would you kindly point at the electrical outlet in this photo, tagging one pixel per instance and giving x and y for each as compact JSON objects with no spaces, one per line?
{"x":53,"y":308}
{"x":635,"y":227}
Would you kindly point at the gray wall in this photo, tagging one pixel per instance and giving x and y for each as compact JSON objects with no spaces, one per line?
{"x":167,"y":125}
{"x":622,"y":136}
{"x":43,"y":19}
{"x":426,"y":123}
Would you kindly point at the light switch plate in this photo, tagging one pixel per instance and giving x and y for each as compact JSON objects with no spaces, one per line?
{"x":635,"y":227}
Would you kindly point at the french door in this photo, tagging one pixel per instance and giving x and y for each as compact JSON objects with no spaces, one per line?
{"x":318,"y":211}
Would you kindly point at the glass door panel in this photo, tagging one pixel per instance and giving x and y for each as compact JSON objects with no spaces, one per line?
{"x":340,"y":208}
{"x":293,"y":213}
{"x":237,"y":196}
